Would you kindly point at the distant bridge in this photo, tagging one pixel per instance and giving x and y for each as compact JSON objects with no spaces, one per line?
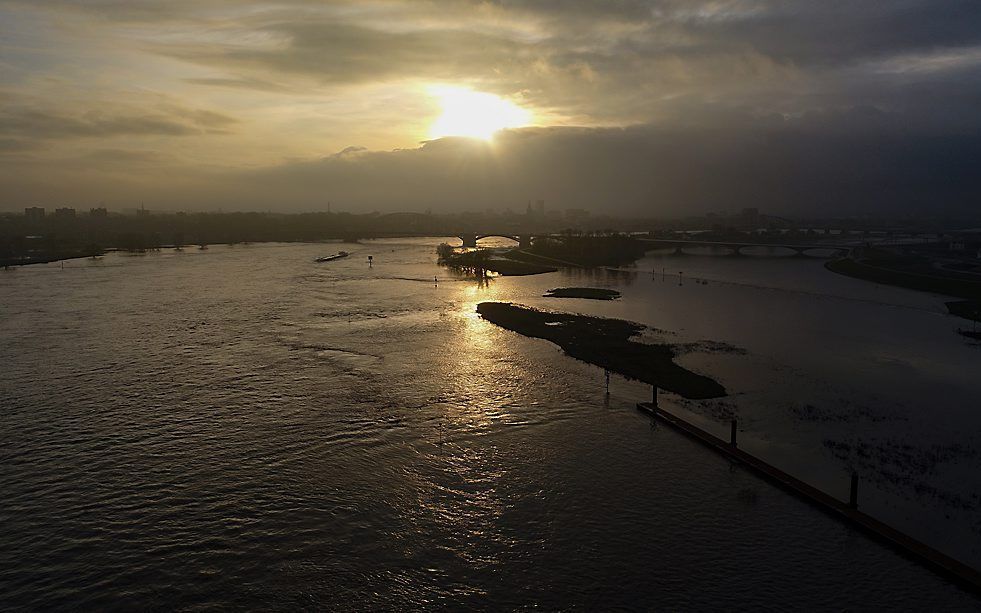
{"x":736,"y":248}
{"x":470,"y":238}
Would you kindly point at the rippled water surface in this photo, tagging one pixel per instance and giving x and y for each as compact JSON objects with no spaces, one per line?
{"x":241,"y":427}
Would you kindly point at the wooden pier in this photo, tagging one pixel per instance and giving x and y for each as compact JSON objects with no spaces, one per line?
{"x":957,"y":571}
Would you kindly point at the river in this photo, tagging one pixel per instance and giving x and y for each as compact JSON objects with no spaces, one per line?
{"x":241,"y":427}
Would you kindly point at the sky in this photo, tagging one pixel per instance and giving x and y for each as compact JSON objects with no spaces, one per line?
{"x":633,"y":107}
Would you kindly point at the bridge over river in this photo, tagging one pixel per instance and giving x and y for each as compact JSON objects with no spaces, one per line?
{"x":736,"y":248}
{"x":470,"y":238}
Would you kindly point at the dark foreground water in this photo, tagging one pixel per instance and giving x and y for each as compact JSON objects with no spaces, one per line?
{"x":240,"y":427}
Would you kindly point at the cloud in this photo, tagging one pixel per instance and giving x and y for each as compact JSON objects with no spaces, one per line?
{"x":841,"y":163}
{"x":687,"y":104}
{"x":41,"y":124}
{"x":856,"y":161}
{"x":337,"y":52}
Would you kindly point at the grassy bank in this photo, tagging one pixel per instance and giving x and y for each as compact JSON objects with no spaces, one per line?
{"x":47,"y":258}
{"x":605,"y":343}
{"x":911,"y":280}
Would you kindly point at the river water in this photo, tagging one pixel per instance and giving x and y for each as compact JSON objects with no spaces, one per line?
{"x":240,"y":427}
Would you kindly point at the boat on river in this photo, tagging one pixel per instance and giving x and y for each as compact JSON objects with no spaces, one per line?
{"x":331,"y":258}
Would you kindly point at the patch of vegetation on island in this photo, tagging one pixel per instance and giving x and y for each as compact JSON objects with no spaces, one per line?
{"x":846,"y":412}
{"x":708,"y":347}
{"x":605,"y":343}
{"x":481,"y":261}
{"x":589,"y":293}
{"x":513,"y":268}
{"x":716,"y":410}
{"x":583,"y":250}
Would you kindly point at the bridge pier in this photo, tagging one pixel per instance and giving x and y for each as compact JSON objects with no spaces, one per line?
{"x":524,"y":241}
{"x":469,"y":240}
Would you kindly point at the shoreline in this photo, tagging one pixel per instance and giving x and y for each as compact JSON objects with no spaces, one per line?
{"x":946,"y":285}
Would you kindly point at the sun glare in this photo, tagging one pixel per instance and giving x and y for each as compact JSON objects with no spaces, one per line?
{"x":474,"y":114}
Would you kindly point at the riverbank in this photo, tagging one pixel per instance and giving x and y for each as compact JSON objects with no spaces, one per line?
{"x":902,"y":274}
{"x":46,"y":259}
{"x":605,"y":343}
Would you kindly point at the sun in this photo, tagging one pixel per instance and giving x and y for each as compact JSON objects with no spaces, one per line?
{"x":474,"y":114}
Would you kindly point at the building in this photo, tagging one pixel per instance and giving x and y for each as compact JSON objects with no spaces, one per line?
{"x":65,"y":213}
{"x":98,"y":212}
{"x":538,"y":211}
{"x":34,"y":212}
{"x":576,"y":215}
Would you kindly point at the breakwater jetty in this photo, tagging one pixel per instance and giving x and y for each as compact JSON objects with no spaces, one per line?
{"x":848,"y":512}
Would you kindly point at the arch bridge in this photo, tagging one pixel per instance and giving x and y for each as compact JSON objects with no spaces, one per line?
{"x":470,"y":238}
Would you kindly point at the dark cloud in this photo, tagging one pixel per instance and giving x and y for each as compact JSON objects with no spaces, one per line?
{"x":853,"y":162}
{"x":333,"y":52}
{"x":860,"y":160}
{"x":43,"y":124}
{"x":239,"y":83}
{"x":842,"y":31}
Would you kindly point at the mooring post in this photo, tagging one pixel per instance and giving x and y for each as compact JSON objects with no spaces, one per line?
{"x":853,"y":495}
{"x":732,"y":433}
{"x":654,"y":395}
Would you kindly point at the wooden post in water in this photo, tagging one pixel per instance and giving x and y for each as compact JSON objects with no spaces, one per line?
{"x":732,"y":433}
{"x":654,"y":395}
{"x":853,"y":495}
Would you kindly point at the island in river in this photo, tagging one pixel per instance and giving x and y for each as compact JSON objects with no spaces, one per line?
{"x":589,"y":293}
{"x":606,"y":343}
